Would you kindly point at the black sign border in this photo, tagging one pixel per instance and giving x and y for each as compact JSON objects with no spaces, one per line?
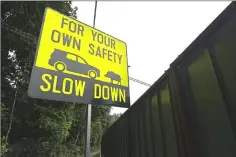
{"x":39,"y":41}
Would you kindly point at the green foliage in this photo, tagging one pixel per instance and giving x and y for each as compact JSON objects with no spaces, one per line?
{"x":39,"y":128}
{"x":4,"y":144}
{"x":96,"y":154}
{"x":114,"y":117}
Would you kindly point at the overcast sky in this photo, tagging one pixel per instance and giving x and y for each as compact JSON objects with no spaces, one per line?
{"x":155,"y":32}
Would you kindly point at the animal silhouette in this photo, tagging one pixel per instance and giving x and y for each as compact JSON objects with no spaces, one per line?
{"x":113,"y":76}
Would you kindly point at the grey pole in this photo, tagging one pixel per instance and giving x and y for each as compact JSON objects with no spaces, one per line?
{"x":89,"y":107}
{"x":88,"y":127}
{"x":95,"y":13}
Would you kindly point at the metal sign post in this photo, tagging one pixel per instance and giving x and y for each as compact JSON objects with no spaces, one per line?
{"x":88,"y":128}
{"x":89,"y":108}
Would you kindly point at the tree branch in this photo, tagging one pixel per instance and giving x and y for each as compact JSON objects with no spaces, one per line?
{"x":12,"y":113}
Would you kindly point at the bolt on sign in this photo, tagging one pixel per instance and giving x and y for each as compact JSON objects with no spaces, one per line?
{"x":77,"y":63}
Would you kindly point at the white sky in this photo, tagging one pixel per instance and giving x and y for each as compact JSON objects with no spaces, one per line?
{"x":156,"y":32}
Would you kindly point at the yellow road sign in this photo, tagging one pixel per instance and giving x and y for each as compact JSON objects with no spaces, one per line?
{"x":79,"y":63}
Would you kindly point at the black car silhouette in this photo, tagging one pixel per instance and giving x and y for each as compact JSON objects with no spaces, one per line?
{"x":113,"y":76}
{"x":62,"y":61}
